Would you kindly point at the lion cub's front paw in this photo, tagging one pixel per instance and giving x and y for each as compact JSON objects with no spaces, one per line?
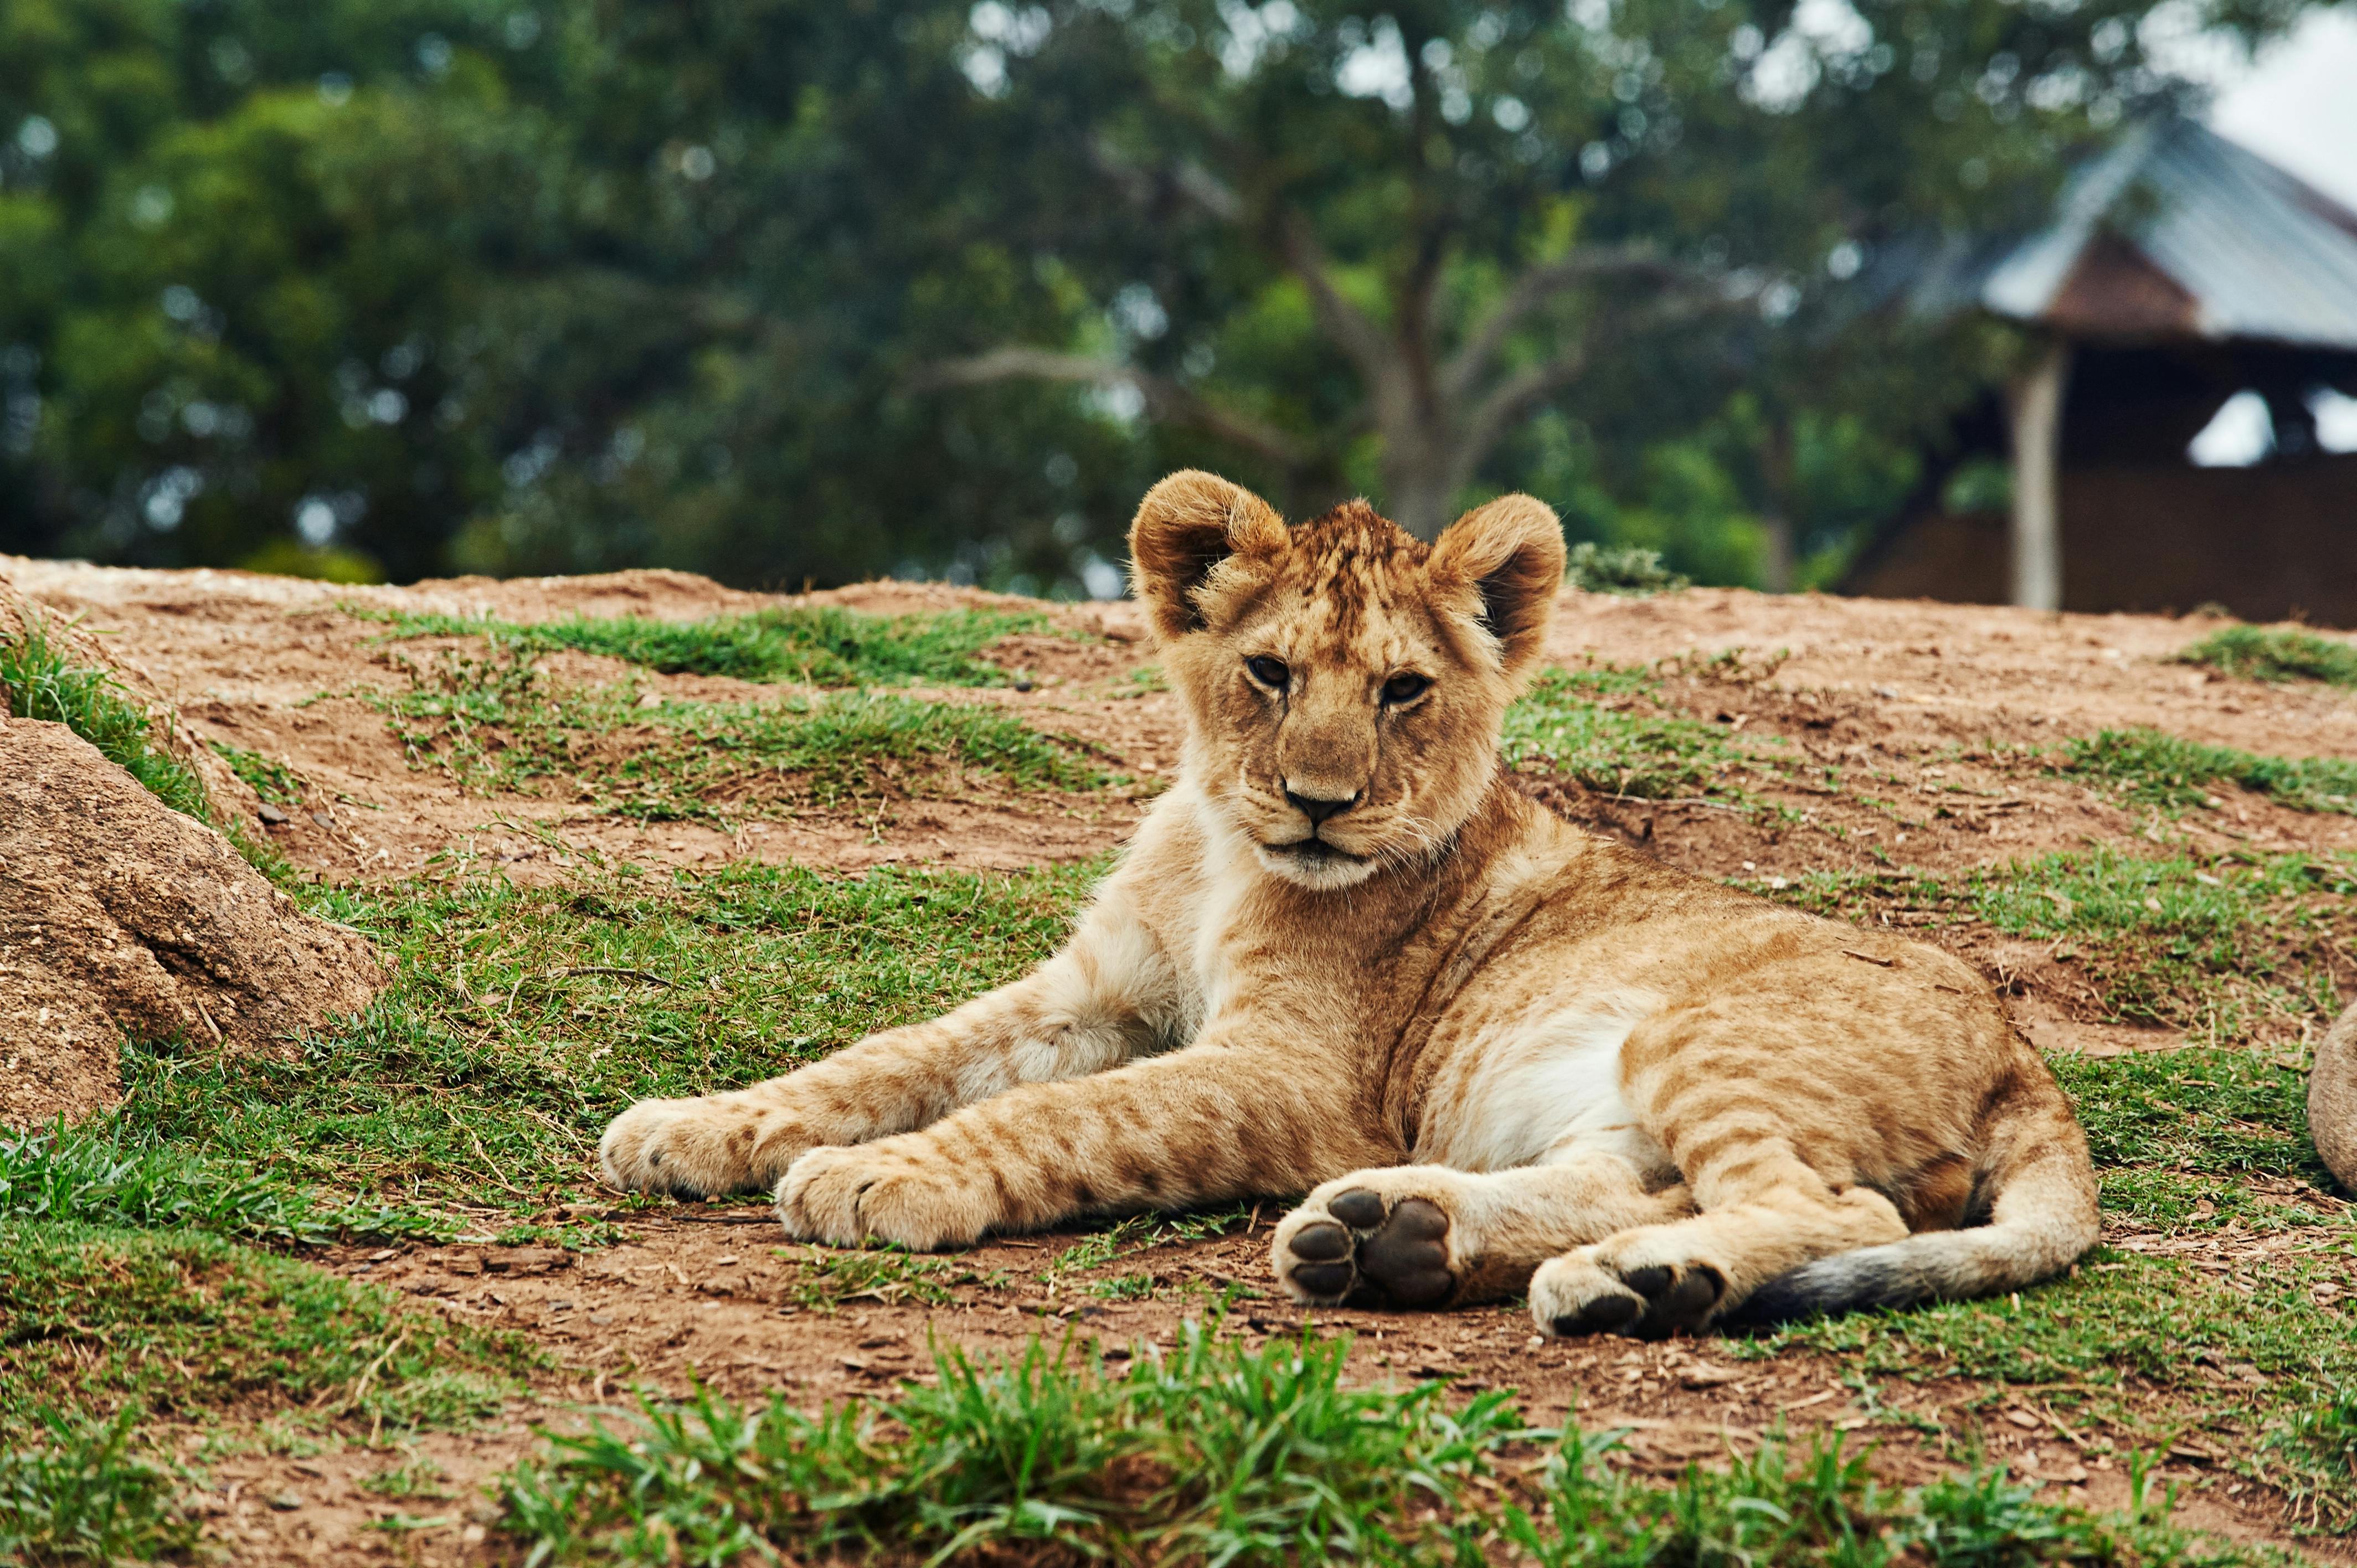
{"x":1591,"y":1291}
{"x":1349,"y":1242}
{"x":877,"y":1193}
{"x":694,"y":1148}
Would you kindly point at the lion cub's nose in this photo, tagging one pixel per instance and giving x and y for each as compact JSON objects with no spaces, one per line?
{"x":1317,"y":810}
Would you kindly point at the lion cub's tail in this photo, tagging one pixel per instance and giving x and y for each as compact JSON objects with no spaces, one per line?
{"x":2037,"y":1189}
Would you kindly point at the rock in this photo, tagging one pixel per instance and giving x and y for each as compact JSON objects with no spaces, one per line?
{"x":120,"y":918}
{"x":2333,"y":1100}
{"x":271,"y":815}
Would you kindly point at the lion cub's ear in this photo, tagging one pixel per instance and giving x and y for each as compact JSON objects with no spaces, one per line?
{"x":1188,"y":527}
{"x":1510,"y":553}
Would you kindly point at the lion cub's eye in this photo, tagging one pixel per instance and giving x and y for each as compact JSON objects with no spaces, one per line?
{"x":1268,"y":671}
{"x":1405,"y":687}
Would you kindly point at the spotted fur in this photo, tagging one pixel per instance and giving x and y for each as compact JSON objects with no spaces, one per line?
{"x":1345,"y":956}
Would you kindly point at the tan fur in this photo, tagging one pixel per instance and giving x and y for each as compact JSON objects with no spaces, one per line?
{"x":1499,"y":1053}
{"x":2333,"y":1100}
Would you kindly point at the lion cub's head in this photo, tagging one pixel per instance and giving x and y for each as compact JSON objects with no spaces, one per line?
{"x":1343,"y":682}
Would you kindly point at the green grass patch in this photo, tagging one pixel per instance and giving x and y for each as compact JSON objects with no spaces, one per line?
{"x":41,"y":680}
{"x":498,"y":724}
{"x":2277,"y":654}
{"x":1211,"y":1453}
{"x":79,"y":1491}
{"x":1563,"y":726}
{"x":185,"y":1325}
{"x":272,"y":780}
{"x":416,"y":1477}
{"x":1218,"y":1454}
{"x":2231,"y":950}
{"x":520,"y":1020}
{"x":1820,"y":1505}
{"x":2161,"y":769}
{"x":89,"y":1175}
{"x":2175,"y":1134}
{"x":2325,"y":1436}
{"x":888,"y":1277}
{"x":1627,"y":569}
{"x":808,"y":646}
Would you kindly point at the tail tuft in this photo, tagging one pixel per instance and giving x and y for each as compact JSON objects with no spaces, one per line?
{"x":1890,"y":1276}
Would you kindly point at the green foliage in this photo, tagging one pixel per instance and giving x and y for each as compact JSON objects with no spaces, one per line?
{"x":1703,"y":499}
{"x":1562,"y":726}
{"x":40,"y":681}
{"x":1979,"y":484}
{"x":290,"y":558}
{"x":442,"y":285}
{"x":2276,"y":653}
{"x":2096,"y":1346}
{"x":1625,"y":569}
{"x":810,"y":647}
{"x":2173,"y":941}
{"x":495,"y":724}
{"x":94,"y":1319}
{"x":416,"y":1476}
{"x":555,"y":288}
{"x":2162,"y":770}
{"x":80,"y":1494}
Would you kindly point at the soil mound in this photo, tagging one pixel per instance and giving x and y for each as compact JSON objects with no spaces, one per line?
{"x":121,"y":917}
{"x":2333,"y":1100}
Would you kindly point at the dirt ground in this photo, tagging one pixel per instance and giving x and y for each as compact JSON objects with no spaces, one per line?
{"x":1928,"y":697}
{"x":710,"y":1298}
{"x":271,"y":664}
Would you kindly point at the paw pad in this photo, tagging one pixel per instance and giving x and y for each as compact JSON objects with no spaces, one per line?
{"x":1656,"y":1301}
{"x":1395,"y":1259}
{"x":1605,"y":1314}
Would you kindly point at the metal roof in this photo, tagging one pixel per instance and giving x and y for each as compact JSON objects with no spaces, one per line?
{"x":2172,"y":232}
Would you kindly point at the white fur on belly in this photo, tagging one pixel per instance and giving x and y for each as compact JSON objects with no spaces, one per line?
{"x":1549,"y":1092}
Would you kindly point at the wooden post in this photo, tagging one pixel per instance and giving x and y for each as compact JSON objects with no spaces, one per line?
{"x":2035,"y":405}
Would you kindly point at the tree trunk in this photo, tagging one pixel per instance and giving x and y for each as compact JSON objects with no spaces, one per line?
{"x":1777,"y":558}
{"x":1420,"y":502}
{"x":1423,"y":466}
{"x":1776,"y":553}
{"x":2036,"y":410}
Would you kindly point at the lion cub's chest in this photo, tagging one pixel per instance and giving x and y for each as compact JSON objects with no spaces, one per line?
{"x":1544,"y":1092}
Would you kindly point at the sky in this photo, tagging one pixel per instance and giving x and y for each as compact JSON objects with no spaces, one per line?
{"x":2297,"y":104}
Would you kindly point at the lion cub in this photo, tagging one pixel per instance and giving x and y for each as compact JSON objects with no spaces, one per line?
{"x":1345,"y":956}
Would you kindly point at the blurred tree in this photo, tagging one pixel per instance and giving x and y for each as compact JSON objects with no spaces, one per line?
{"x":457,"y":284}
{"x":1441,"y":217}
{"x":787,"y":292}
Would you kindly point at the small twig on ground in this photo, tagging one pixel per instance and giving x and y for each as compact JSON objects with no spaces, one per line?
{"x":1653,"y":800}
{"x":580,"y":969}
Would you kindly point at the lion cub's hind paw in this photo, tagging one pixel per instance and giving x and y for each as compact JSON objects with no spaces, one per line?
{"x":1359,"y":1251}
{"x":1574,"y":1296}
